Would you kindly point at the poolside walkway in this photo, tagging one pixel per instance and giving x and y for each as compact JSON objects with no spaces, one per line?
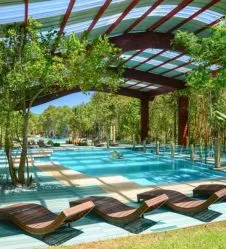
{"x":57,"y":185}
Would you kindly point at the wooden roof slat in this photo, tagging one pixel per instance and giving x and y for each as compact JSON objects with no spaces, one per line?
{"x":177,"y":67}
{"x":153,"y":78}
{"x":26,"y":3}
{"x":165,"y":62}
{"x":99,"y":14}
{"x":135,"y":54}
{"x":141,"y":18}
{"x":164,"y":19}
{"x":148,"y":59}
{"x":182,"y":54}
{"x":66,"y":16}
{"x":64,"y":22}
{"x":206,"y":7}
{"x":207,"y":26}
{"x":179,"y":7}
{"x":124,"y":13}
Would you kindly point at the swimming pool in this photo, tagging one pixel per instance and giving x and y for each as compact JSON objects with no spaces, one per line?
{"x":143,"y":168}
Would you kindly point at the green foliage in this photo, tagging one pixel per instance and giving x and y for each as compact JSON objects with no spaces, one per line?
{"x":163,"y":118}
{"x":208,"y":53}
{"x":55,"y":121}
{"x":82,"y":143}
{"x":34,"y":63}
{"x":208,"y":80}
{"x":56,"y":144}
{"x":29,"y":68}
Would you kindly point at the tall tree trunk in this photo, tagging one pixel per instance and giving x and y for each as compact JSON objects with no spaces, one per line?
{"x":23,"y":155}
{"x":8,"y":151}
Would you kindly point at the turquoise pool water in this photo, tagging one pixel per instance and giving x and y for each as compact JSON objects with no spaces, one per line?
{"x":143,"y":168}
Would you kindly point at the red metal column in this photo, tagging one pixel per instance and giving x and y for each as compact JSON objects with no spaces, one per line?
{"x":144,"y":118}
{"x":183,"y":129}
{"x":26,"y":2}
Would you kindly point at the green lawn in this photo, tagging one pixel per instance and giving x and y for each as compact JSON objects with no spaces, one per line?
{"x":210,"y":236}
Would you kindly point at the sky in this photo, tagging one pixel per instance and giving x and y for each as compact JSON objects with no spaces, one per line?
{"x":69,"y":100}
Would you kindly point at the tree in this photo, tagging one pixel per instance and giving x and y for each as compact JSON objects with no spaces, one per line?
{"x":29,"y":68}
{"x":209,"y":54}
{"x":209,"y":78}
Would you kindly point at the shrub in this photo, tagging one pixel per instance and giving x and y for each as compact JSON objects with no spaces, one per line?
{"x":50,"y":142}
{"x":56,"y":144}
{"x":82,"y":143}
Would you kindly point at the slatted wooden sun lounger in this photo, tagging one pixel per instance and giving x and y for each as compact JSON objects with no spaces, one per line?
{"x":182,"y":203}
{"x":119,"y":213}
{"x":38,"y":220}
{"x":206,"y":190}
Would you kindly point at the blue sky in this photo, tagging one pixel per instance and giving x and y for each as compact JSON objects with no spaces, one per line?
{"x":70,"y":100}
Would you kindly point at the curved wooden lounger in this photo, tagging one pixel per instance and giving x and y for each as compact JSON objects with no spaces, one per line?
{"x":206,"y":190}
{"x":182,"y":203}
{"x":38,"y":220}
{"x":119,"y":213}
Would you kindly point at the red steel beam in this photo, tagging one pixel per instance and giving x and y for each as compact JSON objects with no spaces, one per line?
{"x":148,"y":59}
{"x":26,"y":2}
{"x":153,"y":78}
{"x":179,"y":66}
{"x":198,"y":31}
{"x":208,"y":26}
{"x":200,"y":11}
{"x":132,"y":56}
{"x":99,"y":14}
{"x":180,"y":6}
{"x":165,"y":62}
{"x":180,"y":24}
{"x":124,"y":13}
{"x":141,"y":18}
{"x":185,"y":21}
{"x":66,"y":17}
{"x":122,"y":91}
{"x":63,"y":23}
{"x":167,"y":17}
{"x":144,"y":40}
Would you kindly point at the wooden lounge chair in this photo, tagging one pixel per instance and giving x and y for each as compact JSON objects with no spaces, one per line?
{"x":206,"y":190}
{"x":119,"y":213}
{"x":182,"y":203}
{"x":38,"y":220}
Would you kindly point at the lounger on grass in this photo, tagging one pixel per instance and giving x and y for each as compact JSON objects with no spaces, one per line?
{"x":182,"y":203}
{"x":38,"y":220}
{"x":206,"y":190}
{"x":119,"y":213}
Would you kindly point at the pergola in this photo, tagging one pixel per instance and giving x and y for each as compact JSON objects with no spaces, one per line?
{"x":143,"y":29}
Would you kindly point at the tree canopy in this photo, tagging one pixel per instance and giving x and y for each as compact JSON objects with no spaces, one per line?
{"x":35,"y":63}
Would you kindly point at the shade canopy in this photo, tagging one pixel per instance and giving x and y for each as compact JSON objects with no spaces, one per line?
{"x":143,"y":29}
